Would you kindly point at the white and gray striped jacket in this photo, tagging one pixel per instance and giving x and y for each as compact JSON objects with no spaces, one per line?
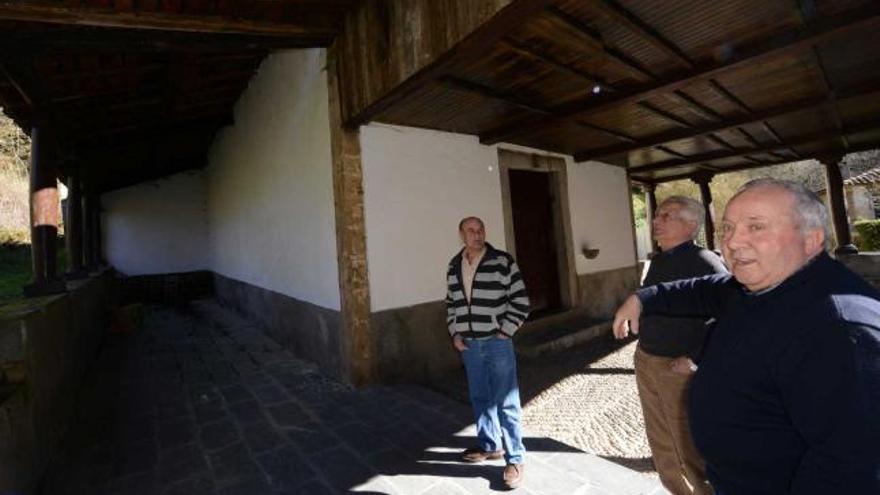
{"x":499,"y":302}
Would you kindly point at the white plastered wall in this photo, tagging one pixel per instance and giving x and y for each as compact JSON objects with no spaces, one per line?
{"x":600,"y":216}
{"x":270,"y":184}
{"x":419,"y":183}
{"x":158,"y":226}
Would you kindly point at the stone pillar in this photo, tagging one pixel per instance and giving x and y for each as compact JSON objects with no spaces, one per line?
{"x":651,"y":203}
{"x":73,"y":229}
{"x":45,"y":207}
{"x":834,"y":185}
{"x":359,"y":343}
{"x":704,"y":179}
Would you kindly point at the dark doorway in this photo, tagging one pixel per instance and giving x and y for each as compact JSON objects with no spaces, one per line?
{"x":533,"y":225}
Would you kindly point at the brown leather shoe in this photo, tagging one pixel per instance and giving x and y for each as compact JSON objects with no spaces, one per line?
{"x":476,"y":454}
{"x":513,"y":475}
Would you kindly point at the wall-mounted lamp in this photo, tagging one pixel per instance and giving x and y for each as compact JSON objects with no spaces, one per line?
{"x":589,"y":253}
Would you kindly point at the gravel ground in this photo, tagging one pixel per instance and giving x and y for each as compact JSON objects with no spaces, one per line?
{"x":585,"y":397}
{"x":595,"y":408}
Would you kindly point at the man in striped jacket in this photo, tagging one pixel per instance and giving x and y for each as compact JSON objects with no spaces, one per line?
{"x":486,"y":303}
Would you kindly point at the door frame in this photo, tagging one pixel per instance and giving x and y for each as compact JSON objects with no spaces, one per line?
{"x":556,"y":167}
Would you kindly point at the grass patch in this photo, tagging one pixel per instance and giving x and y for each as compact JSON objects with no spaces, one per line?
{"x":15,"y":263}
{"x":15,"y":269}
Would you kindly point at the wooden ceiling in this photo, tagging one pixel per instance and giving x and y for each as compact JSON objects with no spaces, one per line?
{"x":666,"y":88}
{"x":136,"y":89}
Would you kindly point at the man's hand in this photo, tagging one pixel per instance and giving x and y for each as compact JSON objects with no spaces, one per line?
{"x":683,"y":365}
{"x":627,"y":317}
{"x":458,"y":343}
{"x":503,"y":336}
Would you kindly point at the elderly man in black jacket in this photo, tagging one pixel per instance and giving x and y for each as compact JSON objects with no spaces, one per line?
{"x":669,"y":345}
{"x":787,"y":396}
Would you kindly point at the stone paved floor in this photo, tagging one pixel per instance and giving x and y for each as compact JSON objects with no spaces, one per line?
{"x":199,"y":401}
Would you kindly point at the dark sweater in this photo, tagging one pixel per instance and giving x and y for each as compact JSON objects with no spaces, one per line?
{"x":671,"y":336}
{"x":787,"y":398}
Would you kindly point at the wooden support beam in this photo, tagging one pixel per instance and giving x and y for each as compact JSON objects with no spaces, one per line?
{"x":44,"y":217}
{"x":736,"y":168}
{"x":546,"y":59}
{"x":704,"y":110}
{"x":665,"y":115}
{"x":459,"y":84}
{"x":644,"y":31}
{"x":834,"y":186}
{"x":765,"y":148}
{"x":704,"y":181}
{"x":359,"y":345}
{"x":797,"y":42}
{"x":55,"y":13}
{"x":754,"y":117}
{"x":591,"y":40}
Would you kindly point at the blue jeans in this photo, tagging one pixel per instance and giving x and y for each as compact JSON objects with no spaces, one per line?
{"x":491,"y":371}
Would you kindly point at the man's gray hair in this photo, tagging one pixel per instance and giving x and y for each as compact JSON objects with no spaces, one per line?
{"x":809,"y":211}
{"x":690,"y":210}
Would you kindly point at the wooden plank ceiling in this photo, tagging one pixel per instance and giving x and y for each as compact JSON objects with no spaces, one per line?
{"x":666,"y":88}
{"x":133,"y":90}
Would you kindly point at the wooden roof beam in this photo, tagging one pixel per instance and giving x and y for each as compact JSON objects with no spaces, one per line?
{"x":797,"y":42}
{"x":531,"y":54}
{"x":752,"y":118}
{"x":737,"y":168}
{"x":644,"y":31}
{"x":58,"y":13}
{"x":591,"y":39}
{"x":459,"y":84}
{"x":511,"y":99}
{"x":767,"y":148}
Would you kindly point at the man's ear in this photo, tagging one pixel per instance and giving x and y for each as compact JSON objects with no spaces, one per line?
{"x":814,"y":241}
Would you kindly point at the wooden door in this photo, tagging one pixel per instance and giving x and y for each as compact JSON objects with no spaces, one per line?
{"x":536,"y":250}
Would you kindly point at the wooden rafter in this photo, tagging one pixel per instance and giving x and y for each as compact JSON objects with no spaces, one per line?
{"x":797,"y":42}
{"x":729,"y":124}
{"x":766,"y":148}
{"x":519,"y":102}
{"x":590,"y":39}
{"x":58,"y":13}
{"x":648,"y":34}
{"x":547,"y":59}
{"x":487,"y":92}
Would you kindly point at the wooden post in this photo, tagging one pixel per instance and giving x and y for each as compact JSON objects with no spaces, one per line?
{"x":73,"y":229}
{"x":834,"y":185}
{"x":359,"y":345}
{"x":44,"y":210}
{"x":88,"y":228}
{"x":651,"y":200}
{"x":704,"y":179}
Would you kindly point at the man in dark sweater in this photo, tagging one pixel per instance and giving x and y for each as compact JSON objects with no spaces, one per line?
{"x":669,"y":345}
{"x":787,"y":396}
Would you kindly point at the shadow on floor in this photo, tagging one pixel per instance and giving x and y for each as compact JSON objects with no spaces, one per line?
{"x":200,"y":401}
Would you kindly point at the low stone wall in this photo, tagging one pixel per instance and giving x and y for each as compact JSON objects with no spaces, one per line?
{"x":601,"y":293}
{"x":311,"y":332}
{"x":413,"y":343}
{"x":48,"y":343}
